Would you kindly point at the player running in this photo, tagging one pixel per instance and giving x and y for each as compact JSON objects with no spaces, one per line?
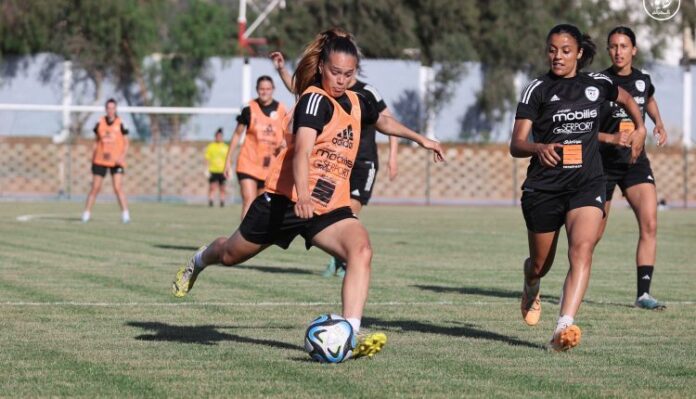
{"x":364,"y":172}
{"x":215,"y":157}
{"x":565,"y":182}
{"x":623,"y":165}
{"x":109,"y":154}
{"x":262,"y":119}
{"x":307,"y":189}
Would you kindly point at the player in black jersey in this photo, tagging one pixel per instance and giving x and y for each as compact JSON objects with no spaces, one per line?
{"x":626,"y":166}
{"x":565,"y":181}
{"x":362,"y":178}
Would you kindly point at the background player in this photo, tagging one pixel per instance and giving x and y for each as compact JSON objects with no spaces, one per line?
{"x":109,"y":154}
{"x":215,"y":158}
{"x":629,"y":170}
{"x":565,"y":182}
{"x":262,"y":119}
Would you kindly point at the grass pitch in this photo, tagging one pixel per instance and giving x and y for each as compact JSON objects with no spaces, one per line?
{"x":87,"y":309}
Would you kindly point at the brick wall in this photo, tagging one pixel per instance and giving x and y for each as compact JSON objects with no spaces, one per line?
{"x":472,"y":173}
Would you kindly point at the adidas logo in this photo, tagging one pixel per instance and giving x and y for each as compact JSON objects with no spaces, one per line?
{"x":650,"y":178}
{"x":646,"y":277}
{"x":555,"y":98}
{"x":599,"y":199}
{"x":344,"y":138}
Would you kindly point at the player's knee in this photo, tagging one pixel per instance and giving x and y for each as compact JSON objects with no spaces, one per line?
{"x":648,"y":228}
{"x":228,"y":255}
{"x":362,"y":253}
{"x":581,"y":250}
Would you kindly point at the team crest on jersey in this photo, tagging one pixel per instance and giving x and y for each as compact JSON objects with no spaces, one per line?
{"x":640,"y":85}
{"x":592,"y":93}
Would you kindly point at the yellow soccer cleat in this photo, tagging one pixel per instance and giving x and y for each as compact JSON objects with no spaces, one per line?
{"x":566,"y":339}
{"x":186,"y":276}
{"x":369,"y":344}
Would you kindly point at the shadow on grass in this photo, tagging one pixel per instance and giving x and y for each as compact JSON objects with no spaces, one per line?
{"x":274,"y":269}
{"x":176,"y":247}
{"x":465,"y":330}
{"x":508,"y":294}
{"x":202,"y":335}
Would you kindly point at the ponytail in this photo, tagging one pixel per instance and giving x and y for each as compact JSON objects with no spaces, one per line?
{"x":318,"y":51}
{"x":584,"y":41}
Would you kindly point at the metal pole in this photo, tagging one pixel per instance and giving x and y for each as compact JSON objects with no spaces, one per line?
{"x":159,"y":171}
{"x":687,"y":104}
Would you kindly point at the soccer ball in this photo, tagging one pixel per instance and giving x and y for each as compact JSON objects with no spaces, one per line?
{"x":330,"y":339}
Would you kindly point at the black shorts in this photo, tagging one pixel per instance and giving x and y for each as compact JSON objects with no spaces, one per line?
{"x":100,"y":170}
{"x":271,"y":219}
{"x":628,"y":175}
{"x":362,"y":179}
{"x":217,"y":178}
{"x":545,"y":211}
{"x":259,"y":183}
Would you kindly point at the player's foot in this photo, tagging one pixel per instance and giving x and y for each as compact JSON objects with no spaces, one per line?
{"x":125,"y":217}
{"x":186,"y":276}
{"x":210,"y":203}
{"x":86,"y":216}
{"x":566,"y":338}
{"x":330,"y":268}
{"x":369,"y":344}
{"x":530,"y":305}
{"x":646,"y":301}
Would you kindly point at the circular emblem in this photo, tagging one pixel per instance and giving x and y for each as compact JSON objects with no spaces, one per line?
{"x":661,"y":10}
{"x":274,"y":115}
{"x":640,"y":85}
{"x":592,"y":93}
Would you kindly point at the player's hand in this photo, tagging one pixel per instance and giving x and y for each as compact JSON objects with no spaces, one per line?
{"x":392,"y":168}
{"x":660,"y":134}
{"x":621,"y":138}
{"x":227,"y":171}
{"x":206,"y":173}
{"x":120,"y":160}
{"x":548,"y":154}
{"x":435,"y":147}
{"x":304,"y":208}
{"x":278,"y":60}
{"x":283,"y":145}
{"x":637,"y":143}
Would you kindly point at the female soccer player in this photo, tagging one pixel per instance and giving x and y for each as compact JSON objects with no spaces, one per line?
{"x":262,"y":119}
{"x":109,"y":154}
{"x":307,"y":190}
{"x":362,"y":177}
{"x":215,"y":158}
{"x":565,"y":182}
{"x":633,"y":175}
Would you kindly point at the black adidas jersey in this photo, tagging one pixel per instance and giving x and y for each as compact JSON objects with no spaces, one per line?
{"x":367,"y":151}
{"x":566,"y":111}
{"x":315,"y":111}
{"x":244,"y":118}
{"x":640,"y":87}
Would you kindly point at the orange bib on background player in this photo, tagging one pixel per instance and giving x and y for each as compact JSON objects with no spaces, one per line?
{"x":330,"y":163}
{"x":263,"y":136}
{"x":110,"y":143}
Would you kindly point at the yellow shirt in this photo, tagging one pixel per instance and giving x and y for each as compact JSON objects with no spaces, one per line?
{"x":216,"y":153}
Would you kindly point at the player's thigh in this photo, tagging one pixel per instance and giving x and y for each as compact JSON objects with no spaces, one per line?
{"x":344,"y":238}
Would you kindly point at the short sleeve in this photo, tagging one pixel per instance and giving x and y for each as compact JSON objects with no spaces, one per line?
{"x":651,"y":88}
{"x":530,"y":101}
{"x":244,"y":118}
{"x":376,"y":98}
{"x":124,"y":131}
{"x":208,"y":151}
{"x":369,"y":113}
{"x":313,"y":111}
{"x":96,"y":128}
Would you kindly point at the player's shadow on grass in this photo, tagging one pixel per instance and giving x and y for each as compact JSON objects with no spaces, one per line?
{"x":508,"y":294}
{"x":188,"y":248}
{"x":466,"y":330}
{"x":274,"y":269}
{"x":202,"y":335}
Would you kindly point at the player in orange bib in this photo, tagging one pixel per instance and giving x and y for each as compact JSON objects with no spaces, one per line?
{"x":263,"y":121}
{"x":109,"y":154}
{"x":307,"y":189}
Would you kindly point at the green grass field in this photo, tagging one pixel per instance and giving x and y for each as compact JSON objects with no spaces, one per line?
{"x":87,"y":310}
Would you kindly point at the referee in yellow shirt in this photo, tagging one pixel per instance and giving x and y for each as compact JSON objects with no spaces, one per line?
{"x":215,"y":155}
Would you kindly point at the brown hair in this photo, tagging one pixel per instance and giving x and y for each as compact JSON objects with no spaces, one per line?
{"x":334,"y":40}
